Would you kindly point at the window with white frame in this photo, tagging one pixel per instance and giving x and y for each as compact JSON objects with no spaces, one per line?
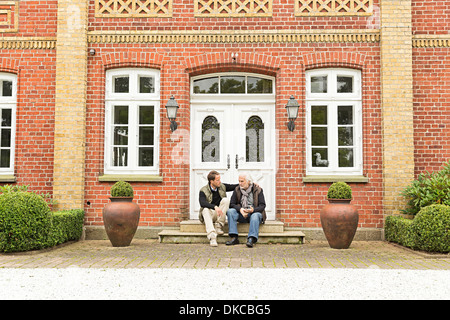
{"x":132,"y":121}
{"x":8,"y":103}
{"x":334,"y":122}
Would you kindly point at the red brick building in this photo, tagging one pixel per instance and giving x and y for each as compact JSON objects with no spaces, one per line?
{"x":84,"y":85}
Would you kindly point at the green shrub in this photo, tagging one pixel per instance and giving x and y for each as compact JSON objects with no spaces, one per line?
{"x":428,"y":231}
{"x":66,"y":226}
{"x":431,"y":229}
{"x":339,"y":190}
{"x":121,"y":189}
{"x":25,"y":221}
{"x":428,"y":189}
{"x":398,"y":229}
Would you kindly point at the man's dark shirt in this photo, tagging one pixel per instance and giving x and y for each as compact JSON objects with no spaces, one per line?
{"x":215,"y":196}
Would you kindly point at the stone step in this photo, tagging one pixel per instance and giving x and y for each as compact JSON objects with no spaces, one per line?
{"x":269,"y":226}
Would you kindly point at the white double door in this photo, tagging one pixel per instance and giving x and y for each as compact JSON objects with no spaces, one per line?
{"x":233,"y":138}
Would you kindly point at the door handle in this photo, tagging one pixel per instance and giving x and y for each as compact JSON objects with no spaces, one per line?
{"x":237,"y":162}
{"x":228,"y":162}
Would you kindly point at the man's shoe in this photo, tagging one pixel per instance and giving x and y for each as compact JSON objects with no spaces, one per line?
{"x":218,"y":228}
{"x":233,"y":241}
{"x":212,"y":240}
{"x":250,"y":242}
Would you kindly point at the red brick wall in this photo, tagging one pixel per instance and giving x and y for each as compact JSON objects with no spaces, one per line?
{"x":431,"y":71}
{"x":35,"y":70}
{"x":298,"y":204}
{"x":431,"y":17}
{"x":431,"y":107}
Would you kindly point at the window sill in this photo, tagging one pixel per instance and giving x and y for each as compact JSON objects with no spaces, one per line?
{"x":130,"y":177}
{"x":7,"y":178}
{"x":334,"y":178}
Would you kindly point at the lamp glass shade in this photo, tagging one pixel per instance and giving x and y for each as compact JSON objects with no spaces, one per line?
{"x":292,"y":108}
{"x":172,"y":108}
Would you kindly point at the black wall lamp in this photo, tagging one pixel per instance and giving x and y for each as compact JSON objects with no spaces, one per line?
{"x":172,"y":109}
{"x":292,"y":111}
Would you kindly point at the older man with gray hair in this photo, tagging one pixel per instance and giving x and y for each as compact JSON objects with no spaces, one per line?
{"x":247,"y":205}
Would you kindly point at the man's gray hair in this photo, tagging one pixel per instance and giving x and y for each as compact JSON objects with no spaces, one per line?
{"x":246,"y":176}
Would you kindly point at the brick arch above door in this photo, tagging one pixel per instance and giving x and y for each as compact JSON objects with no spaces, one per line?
{"x":228,"y":61}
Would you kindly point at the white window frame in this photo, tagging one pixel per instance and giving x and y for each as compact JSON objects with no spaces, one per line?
{"x":332,"y":99}
{"x":133,"y":99}
{"x":9,"y":103}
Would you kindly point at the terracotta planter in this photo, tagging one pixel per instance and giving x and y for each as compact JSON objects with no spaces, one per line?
{"x":339,"y":220}
{"x":121,"y":219}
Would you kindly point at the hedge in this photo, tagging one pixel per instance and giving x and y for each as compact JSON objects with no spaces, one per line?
{"x":27,"y":223}
{"x":428,"y":231}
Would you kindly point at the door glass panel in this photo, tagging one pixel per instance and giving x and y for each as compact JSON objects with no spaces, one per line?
{"x":254,"y":148}
{"x":345,"y":157}
{"x":232,"y":84}
{"x":319,"y":84}
{"x":345,"y":115}
{"x":7,"y":88}
{"x":146,"y":84}
{"x":208,"y":85}
{"x":344,"y":84}
{"x":210,"y":140}
{"x":259,"y":85}
{"x":319,"y":157}
{"x":319,"y":115}
{"x":146,"y":157}
{"x":122,"y":84}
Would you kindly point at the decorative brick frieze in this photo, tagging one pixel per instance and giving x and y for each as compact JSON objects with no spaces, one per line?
{"x":280,"y":36}
{"x":27,"y":43}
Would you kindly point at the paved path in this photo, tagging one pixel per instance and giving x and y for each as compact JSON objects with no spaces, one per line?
{"x":95,"y":270}
{"x":151,"y":254}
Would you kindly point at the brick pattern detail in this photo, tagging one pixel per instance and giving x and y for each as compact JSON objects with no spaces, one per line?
{"x":133,"y":8}
{"x":233,"y":8}
{"x":9,"y":16}
{"x":70,"y":104}
{"x":333,"y":7}
{"x":397,"y":101}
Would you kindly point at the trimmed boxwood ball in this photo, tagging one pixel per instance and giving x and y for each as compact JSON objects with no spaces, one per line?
{"x":122,"y":189}
{"x":431,"y":228}
{"x":339,"y":190}
{"x":25,"y":221}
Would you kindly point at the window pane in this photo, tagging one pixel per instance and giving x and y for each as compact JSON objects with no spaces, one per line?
{"x":319,"y":84}
{"x":345,"y":136}
{"x":319,"y":115}
{"x":120,"y":114}
{"x":345,"y":115}
{"x":6,"y":138}
{"x":254,"y":147}
{"x":210,"y":140}
{"x":208,"y":85}
{"x":146,"y":114}
{"x":345,"y":157}
{"x":7,"y":89}
{"x":344,"y":84}
{"x":121,"y":136}
{"x":5,"y":156}
{"x":259,"y":85}
{"x":122,"y":84}
{"x":6,"y":117}
{"x":146,"y":135}
{"x":319,"y":157}
{"x":232,"y":84}
{"x":146,"y":85}
{"x":319,"y":136}
{"x":146,"y":157}
{"x":120,"y":156}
